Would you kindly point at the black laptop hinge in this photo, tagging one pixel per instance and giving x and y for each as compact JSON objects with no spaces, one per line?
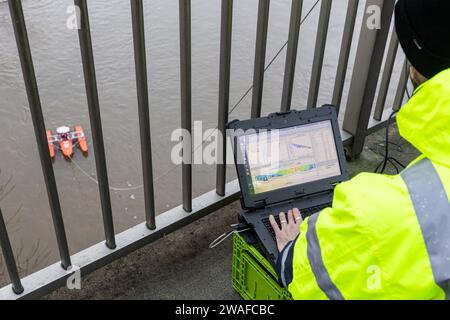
{"x":301,"y":195}
{"x":260,"y":204}
{"x":335,"y":184}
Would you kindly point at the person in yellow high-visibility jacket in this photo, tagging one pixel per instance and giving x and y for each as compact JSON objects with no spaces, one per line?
{"x":387,"y":237}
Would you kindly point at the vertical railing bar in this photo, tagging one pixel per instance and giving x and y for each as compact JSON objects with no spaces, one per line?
{"x":90,"y":80}
{"x":137,"y":16}
{"x":401,"y":88}
{"x":291,"y":55}
{"x":37,"y":117}
{"x":8,"y":256}
{"x":386,"y":78}
{"x":260,"y":57}
{"x":369,"y":59}
{"x":319,"y":53}
{"x":344,"y":55}
{"x":224,"y":91}
{"x":186,"y":100}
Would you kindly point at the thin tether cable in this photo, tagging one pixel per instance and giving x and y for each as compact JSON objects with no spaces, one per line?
{"x":274,"y":58}
{"x":238,"y":103}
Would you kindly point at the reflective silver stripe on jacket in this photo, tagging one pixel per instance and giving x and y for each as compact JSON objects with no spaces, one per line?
{"x":317,"y":266}
{"x":283,"y":264}
{"x":432,"y":208}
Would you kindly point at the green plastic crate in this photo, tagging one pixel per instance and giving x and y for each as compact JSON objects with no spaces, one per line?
{"x":254,"y":278}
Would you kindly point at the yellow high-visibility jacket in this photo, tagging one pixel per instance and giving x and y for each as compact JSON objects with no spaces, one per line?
{"x":386,"y":237}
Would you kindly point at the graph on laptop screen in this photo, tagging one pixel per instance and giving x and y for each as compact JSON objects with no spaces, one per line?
{"x":287,"y":157}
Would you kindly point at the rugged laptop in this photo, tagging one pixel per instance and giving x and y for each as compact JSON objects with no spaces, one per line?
{"x":285,"y":161}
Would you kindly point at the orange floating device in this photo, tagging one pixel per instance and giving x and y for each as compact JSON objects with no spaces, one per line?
{"x":81,"y":138}
{"x":51,"y":146}
{"x":65,"y":139}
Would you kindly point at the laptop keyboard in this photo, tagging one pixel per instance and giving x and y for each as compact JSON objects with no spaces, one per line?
{"x":304,"y":212}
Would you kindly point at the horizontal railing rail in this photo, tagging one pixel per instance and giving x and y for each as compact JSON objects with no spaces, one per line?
{"x":361,"y":118}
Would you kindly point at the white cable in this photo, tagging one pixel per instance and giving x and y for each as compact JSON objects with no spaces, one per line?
{"x":110,"y":188}
{"x":95,"y":180}
{"x":224,"y":236}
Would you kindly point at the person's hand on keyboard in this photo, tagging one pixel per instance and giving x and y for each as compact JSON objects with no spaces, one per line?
{"x":290,"y":227}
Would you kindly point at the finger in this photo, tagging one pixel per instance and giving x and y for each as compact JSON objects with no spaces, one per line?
{"x":274,"y":224}
{"x":283,"y":220}
{"x":291,"y":217}
{"x":297,"y":216}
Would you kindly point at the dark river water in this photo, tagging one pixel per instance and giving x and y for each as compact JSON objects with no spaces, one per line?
{"x":58,"y":68}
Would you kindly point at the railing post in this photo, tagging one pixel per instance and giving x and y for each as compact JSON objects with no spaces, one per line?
{"x":8,"y":256}
{"x":224,"y":92}
{"x":137,"y":16}
{"x":186,"y":100}
{"x":401,"y":88}
{"x":346,"y":46}
{"x":291,"y":55}
{"x":386,"y":78}
{"x":319,"y":53}
{"x":369,"y":58}
{"x":260,"y":57}
{"x":90,"y":80}
{"x":37,"y":117}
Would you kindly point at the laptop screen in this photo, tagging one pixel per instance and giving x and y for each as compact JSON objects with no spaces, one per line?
{"x":287,"y":157}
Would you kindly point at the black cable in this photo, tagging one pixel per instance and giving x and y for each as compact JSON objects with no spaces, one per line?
{"x":399,"y":147}
{"x":391,"y":161}
{"x":387,"y":159}
{"x":397,"y":171}
{"x":386,"y":154}
{"x":398,"y":162}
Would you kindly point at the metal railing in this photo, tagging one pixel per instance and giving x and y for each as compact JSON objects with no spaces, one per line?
{"x":358,"y":122}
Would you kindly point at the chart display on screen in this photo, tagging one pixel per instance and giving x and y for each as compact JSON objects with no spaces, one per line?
{"x":288,"y":157}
